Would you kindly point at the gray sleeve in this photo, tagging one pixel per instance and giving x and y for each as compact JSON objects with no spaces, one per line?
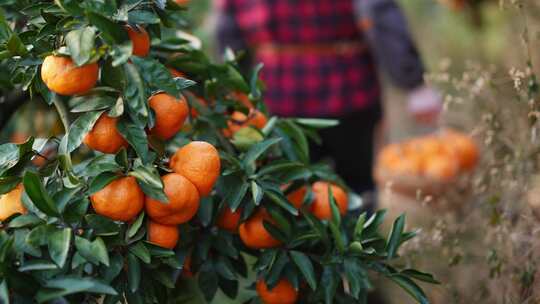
{"x":389,"y":39}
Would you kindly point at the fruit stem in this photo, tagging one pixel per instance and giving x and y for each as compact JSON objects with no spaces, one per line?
{"x":62,"y":113}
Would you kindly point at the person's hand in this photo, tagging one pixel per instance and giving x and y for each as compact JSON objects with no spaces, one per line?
{"x":425,"y":104}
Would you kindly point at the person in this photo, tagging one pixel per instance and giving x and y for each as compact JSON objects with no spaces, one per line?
{"x":320,"y":60}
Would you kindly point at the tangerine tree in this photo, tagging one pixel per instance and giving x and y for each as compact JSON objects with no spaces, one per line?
{"x":170,"y":181}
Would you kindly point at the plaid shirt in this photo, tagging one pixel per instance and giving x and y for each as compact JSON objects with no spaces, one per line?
{"x":309,"y":84}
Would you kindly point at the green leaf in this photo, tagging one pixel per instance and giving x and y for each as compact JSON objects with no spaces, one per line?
{"x":112,"y":271}
{"x":257,"y":150}
{"x":134,"y":273}
{"x":37,"y":193}
{"x":98,"y":165}
{"x":64,"y":196}
{"x":281,"y":201}
{"x":15,"y":46}
{"x":5,"y":248}
{"x":140,"y":250}
{"x":205,"y":211}
{"x":72,"y":7}
{"x":150,"y":181}
{"x":136,"y":136}
{"x":121,"y":158}
{"x":394,"y":239}
{"x":421,"y":276}
{"x":134,"y":228}
{"x":8,"y":183}
{"x":117,"y":109}
{"x":281,"y":222}
{"x":298,"y":138}
{"x":257,"y":193}
{"x":25,"y":220}
{"x":276,"y":269}
{"x":102,"y":225}
{"x":208,"y":281}
{"x":80,"y":43}
{"x":59,"y":243}
{"x":115,"y":35}
{"x":355,"y":276}
{"x":4,"y":291}
{"x":236,"y":192}
{"x":329,"y":284}
{"x":306,"y":267}
{"x":224,"y":268}
{"x":95,"y":252}
{"x":63,"y":286}
{"x":158,"y":251}
{"x":338,"y":237}
{"x":157,"y":75}
{"x":37,"y":265}
{"x":359,"y":228}
{"x":317,"y":122}
{"x":278,"y":167}
{"x":142,"y":17}
{"x":255,"y":92}
{"x":183,"y":83}
{"x":410,"y":287}
{"x":373,"y":223}
{"x":79,"y":128}
{"x":38,"y":236}
{"x":89,"y":103}
{"x":135,"y":95}
{"x":101,"y":181}
{"x":5,"y":30}
{"x":9,"y":155}
{"x":336,"y":216}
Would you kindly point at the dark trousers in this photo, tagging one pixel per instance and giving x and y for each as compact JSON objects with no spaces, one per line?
{"x":350,"y":147}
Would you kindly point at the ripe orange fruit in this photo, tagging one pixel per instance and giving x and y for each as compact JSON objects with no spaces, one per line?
{"x":411,"y":165}
{"x":62,"y":76}
{"x":162,"y":235}
{"x":282,"y":293}
{"x":170,"y":114}
{"x":176,"y":73}
{"x":199,"y":162}
{"x":183,"y":201}
{"x":229,"y":220}
{"x":10,"y":203}
{"x":239,"y":121}
{"x":423,"y":146}
{"x":321,"y":205}
{"x":182,"y":2}
{"x":440,"y":167}
{"x":104,"y":136}
{"x":243,"y":98}
{"x":121,"y":200}
{"x":297,"y":196}
{"x":140,"y":39}
{"x":253,"y":233}
{"x":464,"y":147}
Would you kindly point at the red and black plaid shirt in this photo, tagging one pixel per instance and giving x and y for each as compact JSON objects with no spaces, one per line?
{"x":309,"y":84}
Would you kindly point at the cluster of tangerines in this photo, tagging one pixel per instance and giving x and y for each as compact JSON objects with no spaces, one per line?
{"x":194,"y":169}
{"x":441,"y":157}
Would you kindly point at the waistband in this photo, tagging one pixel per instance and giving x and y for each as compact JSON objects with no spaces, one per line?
{"x":300,"y":49}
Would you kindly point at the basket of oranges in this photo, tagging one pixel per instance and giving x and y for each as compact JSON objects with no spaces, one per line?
{"x":430,"y":164}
